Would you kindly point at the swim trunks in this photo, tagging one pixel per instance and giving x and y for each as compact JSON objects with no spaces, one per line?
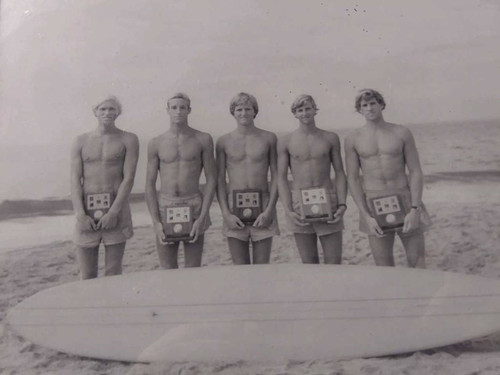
{"x":320,"y":228}
{"x":195,"y":201}
{"x":119,"y":234}
{"x":425,"y":220}
{"x":249,"y":232}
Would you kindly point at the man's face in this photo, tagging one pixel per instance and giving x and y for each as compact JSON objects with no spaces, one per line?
{"x":305,"y":114}
{"x":178,"y":110}
{"x":107,"y":112}
{"x":244,"y":114}
{"x":371,"y":109}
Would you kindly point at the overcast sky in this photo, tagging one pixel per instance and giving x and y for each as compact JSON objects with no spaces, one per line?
{"x":433,"y":60}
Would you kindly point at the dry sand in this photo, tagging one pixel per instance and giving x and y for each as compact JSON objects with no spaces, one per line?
{"x":464,"y":238}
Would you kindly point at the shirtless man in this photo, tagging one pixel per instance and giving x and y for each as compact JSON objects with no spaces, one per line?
{"x":179,"y":155}
{"x":103,"y":162}
{"x":310,"y":152}
{"x":247,"y":154}
{"x":377,"y":156}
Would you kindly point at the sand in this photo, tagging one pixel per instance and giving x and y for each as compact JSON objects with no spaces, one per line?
{"x":464,"y":238}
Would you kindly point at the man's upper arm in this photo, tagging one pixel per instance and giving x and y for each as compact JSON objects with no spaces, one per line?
{"x":221,"y":158}
{"x":335,"y":153}
{"x":283,"y":157}
{"x":153,"y":162}
{"x":410,"y":151}
{"x":208,"y":156}
{"x":351,"y":156}
{"x":76,"y":160}
{"x":131,"y":156}
{"x":273,"y":153}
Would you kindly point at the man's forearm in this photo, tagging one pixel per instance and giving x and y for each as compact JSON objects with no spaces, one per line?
{"x":77,"y":199}
{"x":341,"y":185}
{"x":208,"y":197}
{"x":152,"y":203}
{"x":222,"y":196}
{"x":285,"y":194}
{"x":273,"y":194}
{"x":416,"y":180}
{"x":122,"y":194}
{"x":358,"y":194}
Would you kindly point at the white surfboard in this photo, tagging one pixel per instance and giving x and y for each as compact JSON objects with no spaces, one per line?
{"x":263,"y":313}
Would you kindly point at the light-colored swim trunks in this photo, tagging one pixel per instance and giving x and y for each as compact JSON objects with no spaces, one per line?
{"x":119,"y":234}
{"x":195,"y":201}
{"x":320,"y":228}
{"x":425,"y":220}
{"x":249,"y":232}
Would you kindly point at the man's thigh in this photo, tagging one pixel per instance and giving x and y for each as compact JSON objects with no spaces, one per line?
{"x":307,"y":244}
{"x":88,"y":261}
{"x":415,"y":249}
{"x":261,"y":251}
{"x":167,"y":254}
{"x":382,"y":249}
{"x":193,"y":252}
{"x":113,"y":258}
{"x":240,"y":250}
{"x":332,"y":247}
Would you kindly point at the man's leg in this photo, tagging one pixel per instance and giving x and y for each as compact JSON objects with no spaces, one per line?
{"x":167,"y":254}
{"x":113,"y":258}
{"x":382,"y":249}
{"x":240,"y":250}
{"x":415,"y":249}
{"x":307,"y":244}
{"x":261,"y":250}
{"x":87,"y":260}
{"x":193,"y":252}
{"x":332,"y":247}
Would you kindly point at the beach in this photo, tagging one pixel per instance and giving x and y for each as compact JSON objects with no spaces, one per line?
{"x":464,"y":238}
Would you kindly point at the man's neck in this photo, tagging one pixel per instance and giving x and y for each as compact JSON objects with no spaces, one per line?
{"x":245,"y":129}
{"x":106,"y":128}
{"x":307,"y":128}
{"x":179,"y":127}
{"x":375,"y":123}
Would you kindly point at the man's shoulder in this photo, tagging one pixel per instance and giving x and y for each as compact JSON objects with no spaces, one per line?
{"x":84,"y":137}
{"x":327,"y":134}
{"x":285,"y":138}
{"x":353,"y":134}
{"x":398,"y":129}
{"x":266,"y":134}
{"x":129,"y":135}
{"x":202,"y":136}
{"x":155,"y":141}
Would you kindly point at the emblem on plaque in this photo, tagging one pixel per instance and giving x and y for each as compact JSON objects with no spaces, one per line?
{"x":389,"y":212}
{"x":315,"y":205}
{"x":177,"y":223}
{"x":96,"y":205}
{"x":247,"y":205}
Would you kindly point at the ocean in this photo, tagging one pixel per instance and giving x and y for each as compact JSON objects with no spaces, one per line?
{"x":465,"y":151}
